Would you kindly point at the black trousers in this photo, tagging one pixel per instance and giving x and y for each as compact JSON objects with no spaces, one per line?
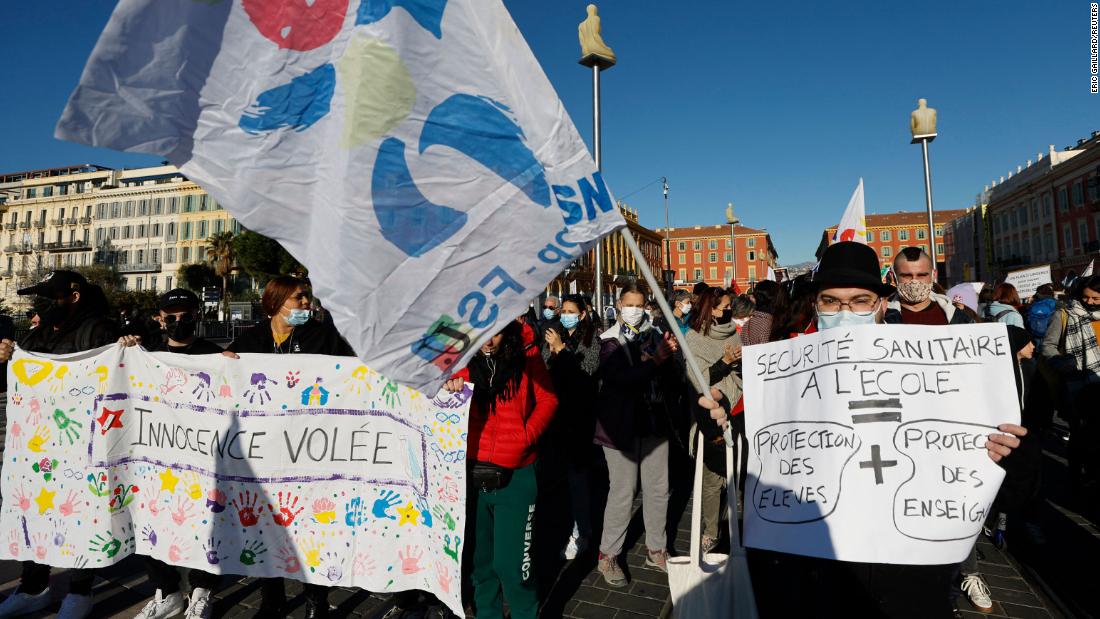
{"x":273,"y":592}
{"x":167,"y":577}
{"x":36,"y":577}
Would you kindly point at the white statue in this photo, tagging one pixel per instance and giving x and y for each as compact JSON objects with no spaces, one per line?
{"x":591,"y":41}
{"x":923,"y":119}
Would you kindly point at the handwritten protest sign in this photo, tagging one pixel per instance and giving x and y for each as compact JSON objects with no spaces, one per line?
{"x":1027,"y":281}
{"x":868,"y":444}
{"x":298,"y":466}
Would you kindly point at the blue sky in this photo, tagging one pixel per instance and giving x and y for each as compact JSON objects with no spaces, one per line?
{"x":779,"y":107}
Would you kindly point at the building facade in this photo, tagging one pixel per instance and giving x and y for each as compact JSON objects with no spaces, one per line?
{"x":888,"y":234}
{"x":707,"y":254}
{"x":147,"y":222}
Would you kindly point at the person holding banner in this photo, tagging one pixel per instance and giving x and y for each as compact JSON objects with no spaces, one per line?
{"x":850,"y":292}
{"x":290,"y":329}
{"x":75,"y":321}
{"x":513,"y":403}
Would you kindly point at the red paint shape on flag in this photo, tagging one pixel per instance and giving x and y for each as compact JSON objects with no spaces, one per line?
{"x":297,"y":24}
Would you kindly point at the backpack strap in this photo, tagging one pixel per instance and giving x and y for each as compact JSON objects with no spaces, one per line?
{"x":1062,"y":337}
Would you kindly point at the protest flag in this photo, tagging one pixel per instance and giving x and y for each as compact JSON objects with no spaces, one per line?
{"x":412,"y":155}
{"x":1088,"y":270}
{"x":853,"y":225}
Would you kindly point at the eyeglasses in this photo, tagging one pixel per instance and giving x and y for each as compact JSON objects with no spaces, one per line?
{"x":550,"y":307}
{"x":858,"y":304}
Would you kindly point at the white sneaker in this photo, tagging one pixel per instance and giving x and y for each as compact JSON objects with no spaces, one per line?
{"x":162,"y":607}
{"x":975,"y":588}
{"x":75,"y":607}
{"x":200,"y":605}
{"x":22,"y":603}
{"x":575,"y":546}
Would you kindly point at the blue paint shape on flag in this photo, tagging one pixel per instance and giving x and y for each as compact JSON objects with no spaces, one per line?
{"x":478,"y":128}
{"x":297,"y":104}
{"x":427,"y":13}
{"x":407,"y":218}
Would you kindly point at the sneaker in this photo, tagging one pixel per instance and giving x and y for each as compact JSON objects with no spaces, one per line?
{"x":75,"y":607}
{"x":707,"y":544}
{"x":612,"y":573}
{"x":200,"y":605}
{"x":19,"y":603}
{"x":657,"y":559}
{"x":162,"y":607}
{"x":975,"y":588}
{"x":575,"y":546}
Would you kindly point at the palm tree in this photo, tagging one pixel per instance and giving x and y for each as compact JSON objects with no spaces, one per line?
{"x":219,"y":252}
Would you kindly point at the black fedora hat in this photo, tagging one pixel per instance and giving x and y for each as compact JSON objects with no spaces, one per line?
{"x":851,"y":264}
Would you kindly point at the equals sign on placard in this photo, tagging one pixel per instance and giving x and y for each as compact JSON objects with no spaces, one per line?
{"x":887,"y":415}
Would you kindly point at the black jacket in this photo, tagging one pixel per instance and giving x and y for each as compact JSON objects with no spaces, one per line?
{"x":82,"y":333}
{"x":199,"y":347}
{"x":312,"y":338}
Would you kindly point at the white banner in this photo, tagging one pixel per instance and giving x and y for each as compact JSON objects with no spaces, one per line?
{"x":297,"y":466}
{"x":410,"y":145}
{"x":868,"y":444}
{"x":1027,"y":281}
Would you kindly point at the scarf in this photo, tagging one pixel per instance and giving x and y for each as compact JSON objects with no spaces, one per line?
{"x":708,"y":349}
{"x":758,"y":329}
{"x":1081,"y":340}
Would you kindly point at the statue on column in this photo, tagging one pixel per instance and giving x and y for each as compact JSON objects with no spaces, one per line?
{"x":592,"y":43}
{"x":923,"y":119}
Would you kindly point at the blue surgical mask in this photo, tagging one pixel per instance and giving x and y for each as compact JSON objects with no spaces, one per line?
{"x":844,"y":318}
{"x":547,"y":313}
{"x":569,"y":321}
{"x":298,"y":317}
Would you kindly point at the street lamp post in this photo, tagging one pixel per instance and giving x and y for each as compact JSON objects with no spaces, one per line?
{"x":922,"y":124}
{"x":733,"y":221}
{"x":668,"y":243}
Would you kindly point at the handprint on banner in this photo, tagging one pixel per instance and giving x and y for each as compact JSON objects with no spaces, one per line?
{"x":215,"y":501}
{"x":446,"y":516}
{"x":390,"y":394}
{"x":333,"y":568}
{"x":311,"y":548}
{"x":443,"y":577}
{"x":41,"y":436}
{"x":258,"y":393}
{"x":285,"y":514}
{"x":448,"y":399}
{"x":22,"y":499}
{"x":107,"y":543}
{"x":13,"y":544}
{"x":293,"y":377}
{"x":183,"y":512}
{"x":70,"y":506}
{"x":384,"y":503}
{"x":34,"y":416}
{"x":410,"y":559}
{"x":57,"y":381}
{"x":212,"y":548}
{"x":174,"y":379}
{"x":155,"y":504}
{"x":250,"y":553}
{"x":425,"y":513}
{"x":289,"y":559}
{"x":38,"y":542}
{"x":177,"y":550}
{"x":364,"y":565}
{"x":101,"y":379}
{"x":149,"y":535}
{"x":358,"y":383}
{"x":192,"y":486}
{"x":324,"y":511}
{"x":15,"y":436}
{"x":202,"y":390}
{"x":67,"y":426}
{"x":58,"y":531}
{"x":247,"y":511}
{"x":451,"y":552}
{"x":355,"y":512}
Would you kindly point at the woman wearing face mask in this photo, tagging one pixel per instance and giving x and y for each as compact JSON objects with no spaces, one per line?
{"x":1070,"y":346}
{"x":290,"y":329}
{"x":513,"y":403}
{"x":572,"y":355}
{"x":741,"y":307}
{"x":714,"y":341}
{"x":681,"y":309}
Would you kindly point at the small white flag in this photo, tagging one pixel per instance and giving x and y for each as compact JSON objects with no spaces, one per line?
{"x":771,"y":274}
{"x":853,"y":225}
{"x":1088,"y":270}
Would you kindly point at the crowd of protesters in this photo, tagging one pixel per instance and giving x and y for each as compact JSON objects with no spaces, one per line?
{"x":569,"y":391}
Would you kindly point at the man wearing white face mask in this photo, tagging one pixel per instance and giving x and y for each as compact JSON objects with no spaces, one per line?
{"x":915,"y":303}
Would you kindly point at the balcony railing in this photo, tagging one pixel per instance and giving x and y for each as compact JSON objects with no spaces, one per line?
{"x":71,"y":221}
{"x":19,"y":248}
{"x":60,"y":221}
{"x":11,"y":225}
{"x":24,"y":224}
{"x":39,"y":223}
{"x":69,"y":246}
{"x":85,"y":220}
{"x":144,"y":267}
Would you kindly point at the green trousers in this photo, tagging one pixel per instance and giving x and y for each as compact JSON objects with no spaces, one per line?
{"x":503,"y":525}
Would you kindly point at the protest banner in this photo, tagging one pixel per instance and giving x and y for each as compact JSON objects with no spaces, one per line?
{"x":412,"y":145}
{"x":299,"y":466}
{"x":1028,"y":280}
{"x":868,"y":443}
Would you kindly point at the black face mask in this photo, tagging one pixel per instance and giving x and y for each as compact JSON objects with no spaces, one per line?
{"x":180,"y":330}
{"x":56,"y":312}
{"x":724,"y":319}
{"x":1091,"y":307}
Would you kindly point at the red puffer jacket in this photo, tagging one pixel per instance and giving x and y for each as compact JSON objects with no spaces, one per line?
{"x":507,"y":437}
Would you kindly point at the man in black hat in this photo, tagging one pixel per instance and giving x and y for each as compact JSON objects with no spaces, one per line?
{"x":74,"y":320}
{"x":850,"y":291}
{"x":179,"y":318}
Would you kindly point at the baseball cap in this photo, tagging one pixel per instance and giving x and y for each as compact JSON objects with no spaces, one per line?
{"x":179,"y":297}
{"x":57,"y":284}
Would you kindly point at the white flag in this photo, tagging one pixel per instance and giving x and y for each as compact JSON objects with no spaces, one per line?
{"x":853,"y":225}
{"x":1088,"y":270}
{"x":411,"y":153}
{"x":771,"y":274}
